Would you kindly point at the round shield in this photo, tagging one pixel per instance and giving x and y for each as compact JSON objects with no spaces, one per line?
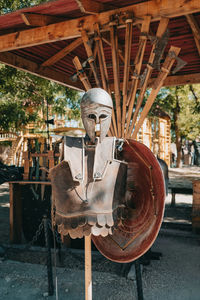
{"x":138,"y":228}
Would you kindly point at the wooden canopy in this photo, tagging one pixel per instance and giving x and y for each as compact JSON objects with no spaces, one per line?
{"x":123,"y":46}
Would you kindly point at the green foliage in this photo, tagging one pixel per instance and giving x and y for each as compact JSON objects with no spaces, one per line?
{"x":184,"y":102}
{"x":12,"y":115}
{"x":20,"y":91}
{"x":6,"y":144}
{"x":7,"y":6}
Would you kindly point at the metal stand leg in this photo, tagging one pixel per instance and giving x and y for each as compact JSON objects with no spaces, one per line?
{"x":49,"y":262}
{"x":138,"y":280}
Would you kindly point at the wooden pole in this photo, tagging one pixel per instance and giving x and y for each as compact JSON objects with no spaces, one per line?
{"x":104,"y":72}
{"x":138,"y":66}
{"x":88,"y":268}
{"x":156,"y":87}
{"x":128,"y":40}
{"x":82,"y":75}
{"x":115,"y":61}
{"x":90,"y":55}
{"x":160,"y":31}
{"x":101,"y":57}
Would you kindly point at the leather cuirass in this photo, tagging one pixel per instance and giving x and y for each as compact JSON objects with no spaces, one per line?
{"x":88,"y":187}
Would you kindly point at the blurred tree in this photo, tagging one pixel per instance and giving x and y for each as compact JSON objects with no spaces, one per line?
{"x":7,"y":6}
{"x":24,"y":95}
{"x":182,"y":103}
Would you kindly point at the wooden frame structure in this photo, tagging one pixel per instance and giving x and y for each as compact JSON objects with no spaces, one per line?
{"x":123,"y":48}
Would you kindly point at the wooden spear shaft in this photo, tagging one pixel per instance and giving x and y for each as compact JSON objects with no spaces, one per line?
{"x":104,"y":72}
{"x":138,"y":65}
{"x":115,"y":61}
{"x":101,"y":57}
{"x":128,"y":40}
{"x":90,"y":55}
{"x":88,"y":268}
{"x":81,"y":74}
{"x":156,"y":87}
{"x":160,"y":31}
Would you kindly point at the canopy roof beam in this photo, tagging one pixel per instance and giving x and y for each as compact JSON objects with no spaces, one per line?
{"x":20,"y":63}
{"x":33,"y":19}
{"x":71,"y":28}
{"x":195,"y":29}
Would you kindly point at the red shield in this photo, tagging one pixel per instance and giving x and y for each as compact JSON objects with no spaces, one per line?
{"x":141,"y":224}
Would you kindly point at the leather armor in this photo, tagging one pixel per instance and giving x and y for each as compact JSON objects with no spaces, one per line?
{"x":88,"y":188}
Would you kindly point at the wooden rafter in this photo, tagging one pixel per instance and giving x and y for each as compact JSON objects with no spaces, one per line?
{"x":60,"y":54}
{"x":181,"y":79}
{"x":195,"y":29}
{"x":20,"y":63}
{"x":171,"y":80}
{"x":33,"y":19}
{"x":71,"y":28}
{"x":91,"y":7}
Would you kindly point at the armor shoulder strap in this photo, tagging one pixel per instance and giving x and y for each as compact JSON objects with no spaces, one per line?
{"x":74,"y":155}
{"x":104,"y":155}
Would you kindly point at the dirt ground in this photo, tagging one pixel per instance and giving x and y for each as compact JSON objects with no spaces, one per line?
{"x":23,"y":274}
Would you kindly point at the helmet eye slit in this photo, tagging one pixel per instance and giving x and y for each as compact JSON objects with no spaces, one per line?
{"x":92,"y":116}
{"x":103,"y":116}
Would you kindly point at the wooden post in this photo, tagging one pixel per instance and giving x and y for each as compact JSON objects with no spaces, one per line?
{"x":26,"y":165}
{"x":15,"y":213}
{"x":88,"y":268}
{"x":51,"y":158}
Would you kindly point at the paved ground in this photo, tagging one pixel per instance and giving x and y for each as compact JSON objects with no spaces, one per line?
{"x":175,"y":276}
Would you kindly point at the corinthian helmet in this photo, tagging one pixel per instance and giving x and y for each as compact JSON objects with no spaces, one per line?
{"x":96,"y":113}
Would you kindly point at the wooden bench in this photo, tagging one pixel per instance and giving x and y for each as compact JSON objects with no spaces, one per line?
{"x":179,"y":190}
